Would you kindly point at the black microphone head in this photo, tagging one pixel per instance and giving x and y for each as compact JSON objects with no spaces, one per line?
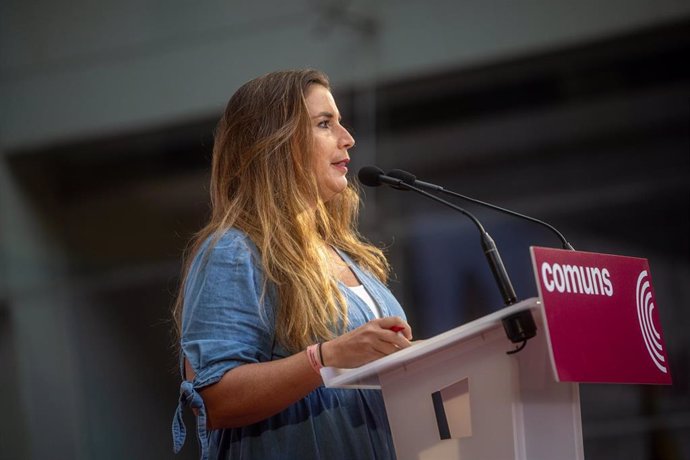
{"x":404,"y":176}
{"x":370,"y":176}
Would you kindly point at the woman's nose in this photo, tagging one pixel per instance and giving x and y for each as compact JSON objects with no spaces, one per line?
{"x":346,"y":139}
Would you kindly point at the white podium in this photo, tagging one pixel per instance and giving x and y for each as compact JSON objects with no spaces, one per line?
{"x":459,"y":395}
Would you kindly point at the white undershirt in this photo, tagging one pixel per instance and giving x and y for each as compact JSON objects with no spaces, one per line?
{"x":364,"y":295}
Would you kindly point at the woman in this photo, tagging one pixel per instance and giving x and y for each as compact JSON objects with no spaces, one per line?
{"x":279,"y":284}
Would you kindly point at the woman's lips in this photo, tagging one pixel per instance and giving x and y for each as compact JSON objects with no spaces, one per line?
{"x":342,"y":165}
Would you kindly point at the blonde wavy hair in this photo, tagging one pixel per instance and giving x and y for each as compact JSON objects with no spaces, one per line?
{"x":262,"y":183}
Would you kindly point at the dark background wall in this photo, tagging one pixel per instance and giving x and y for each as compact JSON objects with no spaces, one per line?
{"x":591,"y":135}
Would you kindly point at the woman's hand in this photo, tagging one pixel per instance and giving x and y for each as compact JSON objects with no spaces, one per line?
{"x":368,"y":342}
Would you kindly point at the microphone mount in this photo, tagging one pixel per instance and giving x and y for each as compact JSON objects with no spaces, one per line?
{"x":488,"y":245}
{"x":519,"y":327}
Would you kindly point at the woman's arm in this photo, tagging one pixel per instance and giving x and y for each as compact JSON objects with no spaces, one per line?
{"x":252,"y":392}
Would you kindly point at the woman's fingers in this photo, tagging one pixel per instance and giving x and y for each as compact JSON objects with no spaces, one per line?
{"x":386,"y":347}
{"x":371,"y":341}
{"x":401,"y":341}
{"x":397,"y":325}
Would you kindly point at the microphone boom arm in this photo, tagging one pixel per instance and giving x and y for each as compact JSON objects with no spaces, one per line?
{"x":411,"y":179}
{"x":488,"y":245}
{"x":564,"y":242}
{"x":519,"y":327}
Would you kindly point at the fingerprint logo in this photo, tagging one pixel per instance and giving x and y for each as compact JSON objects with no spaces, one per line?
{"x":645,"y":306}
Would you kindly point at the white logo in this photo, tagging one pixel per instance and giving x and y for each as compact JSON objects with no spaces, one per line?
{"x":576,"y":279}
{"x":645,"y":306}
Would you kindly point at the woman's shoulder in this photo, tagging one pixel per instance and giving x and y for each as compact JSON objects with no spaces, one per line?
{"x":231,"y":237}
{"x":227,"y":245}
{"x":228,"y":239}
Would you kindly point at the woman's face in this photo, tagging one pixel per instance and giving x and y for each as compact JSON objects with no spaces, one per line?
{"x":331,"y":141}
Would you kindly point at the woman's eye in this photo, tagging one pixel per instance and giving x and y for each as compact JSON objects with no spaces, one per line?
{"x":324,"y":124}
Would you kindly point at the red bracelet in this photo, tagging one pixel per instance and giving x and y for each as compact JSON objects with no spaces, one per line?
{"x":313,"y":356}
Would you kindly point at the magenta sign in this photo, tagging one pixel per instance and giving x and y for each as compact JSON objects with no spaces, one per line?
{"x":602,"y":318}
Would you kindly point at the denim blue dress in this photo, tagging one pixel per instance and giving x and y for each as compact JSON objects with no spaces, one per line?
{"x":226,"y":323}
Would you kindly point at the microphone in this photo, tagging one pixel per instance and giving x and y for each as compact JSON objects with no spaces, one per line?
{"x":519,"y":327}
{"x":411,"y":179}
{"x":373,"y":176}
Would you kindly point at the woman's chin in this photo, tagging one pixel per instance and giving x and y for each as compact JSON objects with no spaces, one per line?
{"x":333,"y":190}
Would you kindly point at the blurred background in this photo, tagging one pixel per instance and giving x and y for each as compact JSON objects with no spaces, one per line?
{"x":577,"y":113}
